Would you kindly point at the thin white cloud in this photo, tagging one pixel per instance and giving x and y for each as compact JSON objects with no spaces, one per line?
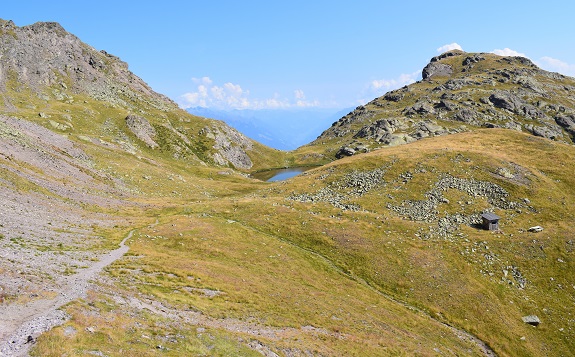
{"x":379,"y":87}
{"x":546,"y":62}
{"x":449,"y":47}
{"x":203,"y":80}
{"x":508,"y":52}
{"x":302,"y":102}
{"x":209,"y":95}
{"x":233,"y":96}
{"x":307,"y":104}
{"x":555,"y":65}
{"x":192,"y":100}
{"x":384,"y":85}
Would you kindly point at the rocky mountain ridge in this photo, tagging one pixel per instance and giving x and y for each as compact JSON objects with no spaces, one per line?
{"x":44,"y":55}
{"x":459,"y":92}
{"x":50,"y":75}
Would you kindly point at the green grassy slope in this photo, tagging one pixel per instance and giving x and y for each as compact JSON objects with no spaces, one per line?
{"x":329,"y":263}
{"x":482,"y":281}
{"x":50,"y":77}
{"x":84,"y":119}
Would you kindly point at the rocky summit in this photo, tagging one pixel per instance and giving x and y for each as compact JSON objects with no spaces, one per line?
{"x":44,"y":55}
{"x":47,"y":72}
{"x":130,"y":227}
{"x":461,"y":92}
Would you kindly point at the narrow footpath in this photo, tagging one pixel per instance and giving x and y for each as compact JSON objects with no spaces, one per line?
{"x":21,"y":324}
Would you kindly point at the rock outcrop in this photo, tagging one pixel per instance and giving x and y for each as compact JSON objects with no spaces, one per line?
{"x":437,"y":69}
{"x":142,"y":129}
{"x":230,"y":146}
{"x":458,"y":92}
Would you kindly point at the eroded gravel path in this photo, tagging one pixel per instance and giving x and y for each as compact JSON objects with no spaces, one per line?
{"x":21,"y":324}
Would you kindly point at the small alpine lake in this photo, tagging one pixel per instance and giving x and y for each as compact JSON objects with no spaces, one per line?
{"x":279,"y":174}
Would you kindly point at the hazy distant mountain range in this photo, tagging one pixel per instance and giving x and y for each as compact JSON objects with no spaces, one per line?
{"x":279,"y":129}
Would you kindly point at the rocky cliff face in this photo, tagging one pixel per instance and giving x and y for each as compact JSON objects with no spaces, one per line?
{"x":50,"y":75}
{"x":459,"y":92}
{"x":231,"y":146}
{"x":45,"y":55}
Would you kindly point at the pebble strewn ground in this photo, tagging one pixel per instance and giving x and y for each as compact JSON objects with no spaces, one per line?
{"x":47,"y":233}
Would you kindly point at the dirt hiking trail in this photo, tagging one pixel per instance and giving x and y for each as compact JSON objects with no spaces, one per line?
{"x":21,"y":324}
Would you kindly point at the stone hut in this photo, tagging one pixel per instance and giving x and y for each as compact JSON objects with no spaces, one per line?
{"x":490,"y":221}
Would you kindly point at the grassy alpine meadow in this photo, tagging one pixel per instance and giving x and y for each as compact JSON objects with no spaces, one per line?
{"x":350,"y":257}
{"x":211,"y":274}
{"x":255,"y":266}
{"x":482,"y":281}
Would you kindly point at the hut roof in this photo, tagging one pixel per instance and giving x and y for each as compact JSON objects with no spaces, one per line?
{"x":490,"y":216}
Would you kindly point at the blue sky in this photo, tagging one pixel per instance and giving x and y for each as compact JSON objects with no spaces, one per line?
{"x":302,"y":54}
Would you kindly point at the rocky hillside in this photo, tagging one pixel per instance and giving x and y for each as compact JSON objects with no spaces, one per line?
{"x":127,"y":228}
{"x":407,"y":219}
{"x":44,"y":55}
{"x":48,"y":75}
{"x":460,"y":92}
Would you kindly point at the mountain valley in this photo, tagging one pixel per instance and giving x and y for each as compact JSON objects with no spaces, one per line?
{"x":131,"y":227}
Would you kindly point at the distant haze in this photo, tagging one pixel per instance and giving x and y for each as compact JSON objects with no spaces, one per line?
{"x":279,"y":129}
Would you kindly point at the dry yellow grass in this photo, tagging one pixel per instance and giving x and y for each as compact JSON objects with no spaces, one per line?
{"x":235,"y":258}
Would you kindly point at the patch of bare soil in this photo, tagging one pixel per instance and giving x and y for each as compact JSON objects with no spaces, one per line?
{"x":22,"y":323}
{"x":48,"y":243}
